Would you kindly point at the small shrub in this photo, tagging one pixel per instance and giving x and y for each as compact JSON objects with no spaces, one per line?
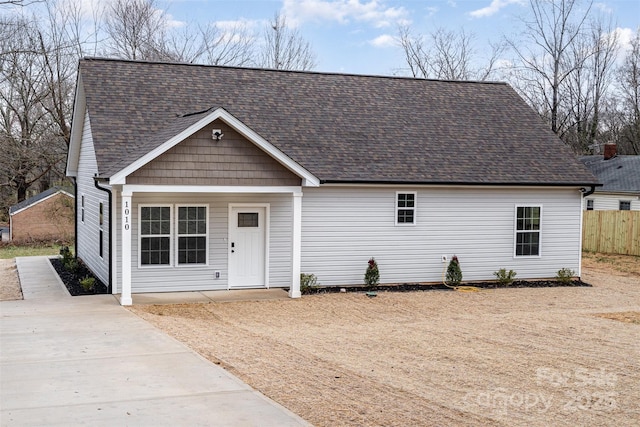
{"x":66,"y":254}
{"x":454,"y":272}
{"x":372,"y":275}
{"x":87,"y":283}
{"x":565,"y":275}
{"x":71,"y":265}
{"x":308,"y":282}
{"x":505,"y":277}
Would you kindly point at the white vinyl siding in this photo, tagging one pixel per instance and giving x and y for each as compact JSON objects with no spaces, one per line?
{"x":202,"y":277}
{"x":343,"y":227}
{"x":88,"y":238}
{"x":611,"y":202}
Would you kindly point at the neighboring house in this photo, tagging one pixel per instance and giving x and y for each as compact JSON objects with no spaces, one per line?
{"x":195,"y":177}
{"x":45,"y":216}
{"x":620,"y":178}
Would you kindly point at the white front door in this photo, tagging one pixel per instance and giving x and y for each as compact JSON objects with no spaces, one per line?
{"x":247,"y":247}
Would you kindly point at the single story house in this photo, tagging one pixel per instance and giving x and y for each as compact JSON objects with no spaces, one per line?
{"x":193,"y":177}
{"x":620,"y":178}
{"x":45,"y":216}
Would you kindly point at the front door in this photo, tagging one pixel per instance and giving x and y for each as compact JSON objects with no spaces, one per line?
{"x":247,"y":247}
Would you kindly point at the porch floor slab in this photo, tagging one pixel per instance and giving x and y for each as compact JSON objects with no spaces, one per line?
{"x":209,"y":296}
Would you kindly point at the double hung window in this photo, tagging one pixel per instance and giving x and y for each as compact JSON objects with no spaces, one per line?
{"x":192,"y":235}
{"x":155,"y":235}
{"x":527,"y":231}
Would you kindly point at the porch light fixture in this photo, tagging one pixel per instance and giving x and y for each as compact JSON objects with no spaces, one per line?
{"x":216,"y":134}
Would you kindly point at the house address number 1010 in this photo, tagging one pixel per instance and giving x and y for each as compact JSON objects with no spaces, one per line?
{"x":126,"y":215}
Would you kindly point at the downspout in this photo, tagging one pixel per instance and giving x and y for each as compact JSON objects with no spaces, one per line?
{"x":108,"y":191}
{"x":75,"y":223}
{"x":586,"y":192}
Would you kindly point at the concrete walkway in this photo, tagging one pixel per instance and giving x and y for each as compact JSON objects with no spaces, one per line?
{"x":88,"y":361}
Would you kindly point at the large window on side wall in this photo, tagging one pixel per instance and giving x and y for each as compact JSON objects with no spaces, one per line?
{"x":527,"y":230}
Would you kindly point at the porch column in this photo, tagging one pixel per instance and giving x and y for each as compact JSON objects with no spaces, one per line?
{"x":296,"y":247}
{"x":125,"y":297}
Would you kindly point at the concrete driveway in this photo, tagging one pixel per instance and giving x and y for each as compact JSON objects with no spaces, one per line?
{"x":86,"y":360}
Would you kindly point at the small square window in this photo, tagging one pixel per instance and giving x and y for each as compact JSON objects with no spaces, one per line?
{"x":405,"y":208}
{"x":625,"y":205}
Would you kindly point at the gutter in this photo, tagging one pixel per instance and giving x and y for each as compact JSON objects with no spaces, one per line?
{"x":108,"y":191}
{"x":458,"y":183}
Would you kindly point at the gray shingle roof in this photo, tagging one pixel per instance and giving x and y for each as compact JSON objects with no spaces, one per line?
{"x":341,"y":128}
{"x":620,"y":174}
{"x":38,"y":197}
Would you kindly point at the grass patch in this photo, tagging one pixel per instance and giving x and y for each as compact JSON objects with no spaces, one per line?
{"x":628,"y":264}
{"x":8,"y":251}
{"x":626,"y":317}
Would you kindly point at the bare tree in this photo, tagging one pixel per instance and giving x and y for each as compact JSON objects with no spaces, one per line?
{"x":545,"y":60}
{"x":30,"y":140}
{"x":37,"y":81}
{"x":136,"y":30}
{"x":445,"y":54}
{"x":207,"y":44}
{"x":285,"y":49}
{"x":588,"y":86}
{"x":629,"y":81}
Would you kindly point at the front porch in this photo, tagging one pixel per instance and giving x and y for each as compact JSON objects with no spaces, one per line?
{"x":198,"y":239}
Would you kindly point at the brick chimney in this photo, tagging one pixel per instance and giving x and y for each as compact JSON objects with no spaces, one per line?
{"x":610,"y":150}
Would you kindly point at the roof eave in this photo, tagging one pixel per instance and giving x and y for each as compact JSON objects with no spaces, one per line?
{"x":461,"y":183}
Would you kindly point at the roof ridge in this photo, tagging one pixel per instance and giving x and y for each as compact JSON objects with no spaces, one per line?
{"x":310,"y":72}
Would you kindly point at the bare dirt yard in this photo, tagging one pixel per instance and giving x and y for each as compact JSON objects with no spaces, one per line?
{"x":9,"y":284}
{"x":530,"y":357}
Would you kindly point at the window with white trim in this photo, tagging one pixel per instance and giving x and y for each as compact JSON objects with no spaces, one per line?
{"x":625,"y":205}
{"x":192,"y":235}
{"x":589,"y":204}
{"x":155,"y":235}
{"x":405,"y":208}
{"x":527,"y":239}
{"x":82,"y":208}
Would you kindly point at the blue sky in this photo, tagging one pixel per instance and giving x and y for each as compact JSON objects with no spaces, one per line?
{"x":357,"y":36}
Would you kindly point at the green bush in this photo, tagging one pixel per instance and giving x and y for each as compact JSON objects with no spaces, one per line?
{"x":69,"y":262}
{"x":565,"y":275}
{"x":66,"y":254}
{"x":505,"y":277}
{"x":454,"y":272}
{"x":87,"y":283}
{"x":372,"y":274}
{"x":308,"y":282}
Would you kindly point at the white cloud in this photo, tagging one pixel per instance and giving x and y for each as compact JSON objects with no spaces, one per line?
{"x":625,"y":36}
{"x":432,"y":10}
{"x":374,"y":12}
{"x":383,"y":41}
{"x":603,"y":7}
{"x":493,"y":8}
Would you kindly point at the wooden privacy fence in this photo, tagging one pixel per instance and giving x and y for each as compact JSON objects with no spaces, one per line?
{"x":611,"y":232}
